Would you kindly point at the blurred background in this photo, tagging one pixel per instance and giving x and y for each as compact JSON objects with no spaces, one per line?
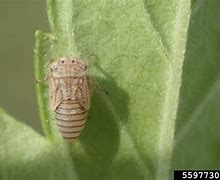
{"x":19,"y":19}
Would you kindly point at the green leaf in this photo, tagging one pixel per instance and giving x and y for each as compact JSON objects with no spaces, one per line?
{"x":197,"y":131}
{"x":139,"y":50}
{"x":26,"y":155}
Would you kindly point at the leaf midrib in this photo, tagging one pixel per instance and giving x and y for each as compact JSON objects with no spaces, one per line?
{"x":166,"y":137}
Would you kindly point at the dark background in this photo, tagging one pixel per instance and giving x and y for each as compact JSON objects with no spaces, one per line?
{"x":19,"y":19}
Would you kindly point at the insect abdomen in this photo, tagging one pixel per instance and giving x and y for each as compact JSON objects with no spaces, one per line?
{"x":70,"y":118}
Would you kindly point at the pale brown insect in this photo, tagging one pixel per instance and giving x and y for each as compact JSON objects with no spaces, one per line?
{"x":70,"y":96}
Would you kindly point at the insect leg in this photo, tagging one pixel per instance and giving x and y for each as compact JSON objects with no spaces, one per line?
{"x":42,"y":81}
{"x":94,"y":84}
{"x":87,"y":59}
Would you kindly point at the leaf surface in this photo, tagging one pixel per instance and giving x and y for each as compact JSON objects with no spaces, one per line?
{"x":26,"y":155}
{"x":138,"y":49}
{"x":197,"y":138}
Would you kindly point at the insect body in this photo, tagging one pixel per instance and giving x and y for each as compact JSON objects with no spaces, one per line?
{"x":70,"y":96}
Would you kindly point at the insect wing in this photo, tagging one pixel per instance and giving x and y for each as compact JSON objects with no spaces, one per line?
{"x":85,"y":95}
{"x":84,"y":99}
{"x":56,"y":93}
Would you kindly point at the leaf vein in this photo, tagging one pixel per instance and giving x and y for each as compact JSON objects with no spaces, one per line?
{"x":193,"y":118}
{"x":157,"y":33}
{"x":197,"y":5}
{"x":166,"y":137}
